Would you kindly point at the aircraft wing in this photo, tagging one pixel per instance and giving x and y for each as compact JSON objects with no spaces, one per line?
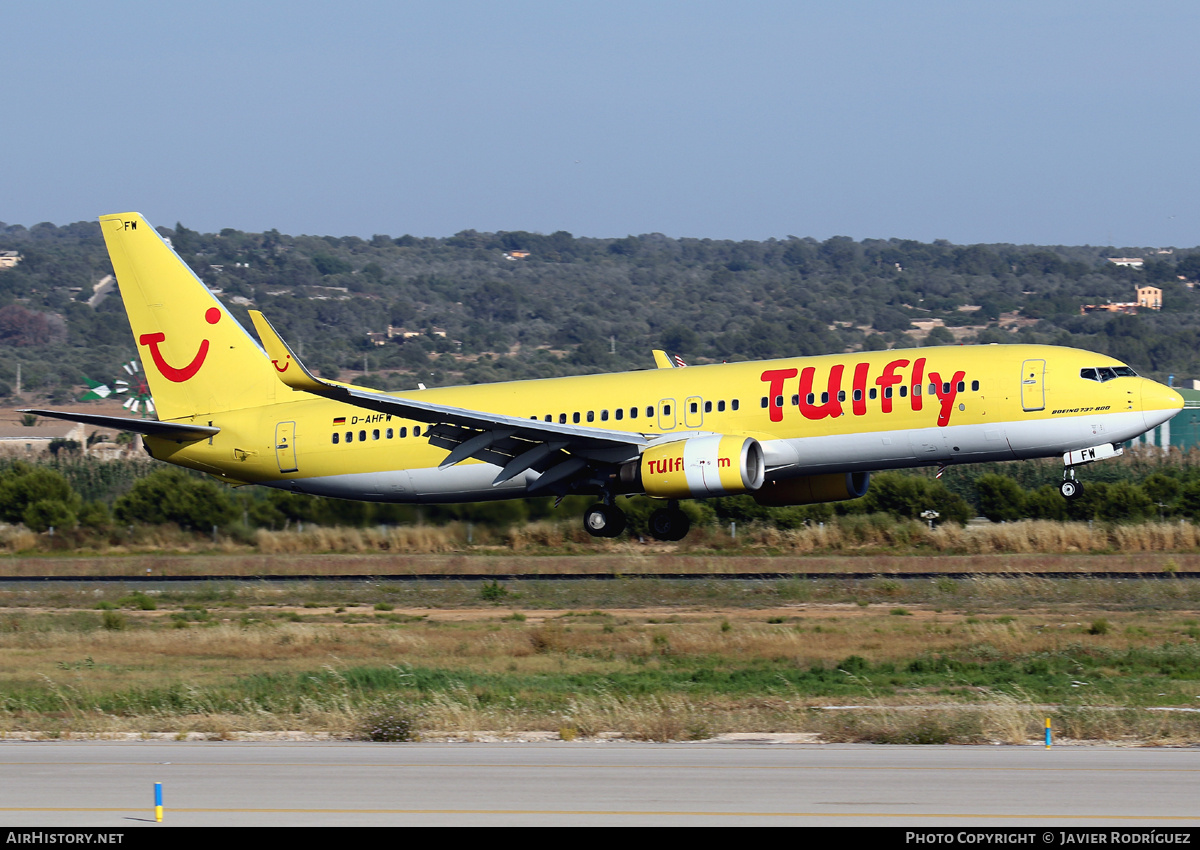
{"x":557,"y":450}
{"x":170,"y":430}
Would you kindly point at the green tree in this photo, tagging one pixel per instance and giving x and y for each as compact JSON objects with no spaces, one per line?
{"x":1162,"y":490}
{"x":1000,"y":498}
{"x":45,"y":514}
{"x":24,"y":485}
{"x":174,"y":495}
{"x":939,"y":336}
{"x":1045,"y":503}
{"x":1189,"y":500}
{"x":908,"y":496}
{"x":1125,"y":502}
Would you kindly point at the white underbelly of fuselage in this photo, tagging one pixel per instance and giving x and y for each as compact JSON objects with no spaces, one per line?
{"x":975,"y":443}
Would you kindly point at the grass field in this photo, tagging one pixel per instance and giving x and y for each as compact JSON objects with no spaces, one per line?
{"x":986,"y":658}
{"x":630,"y":561}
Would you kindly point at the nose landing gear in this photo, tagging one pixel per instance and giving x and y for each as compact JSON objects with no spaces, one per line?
{"x":1071,"y":488}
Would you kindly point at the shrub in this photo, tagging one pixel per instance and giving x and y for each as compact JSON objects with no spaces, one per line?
{"x":138,"y":600}
{"x":493,"y":591}
{"x":388,"y":725}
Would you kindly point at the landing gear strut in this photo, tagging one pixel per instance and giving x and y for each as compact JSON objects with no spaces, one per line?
{"x":669,"y":523}
{"x":1070,"y":487}
{"x":602,"y":520}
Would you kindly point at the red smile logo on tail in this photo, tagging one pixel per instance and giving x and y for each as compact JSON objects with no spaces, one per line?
{"x":151,"y":341}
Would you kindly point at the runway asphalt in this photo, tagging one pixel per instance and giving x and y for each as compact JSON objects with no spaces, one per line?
{"x":111,"y":785}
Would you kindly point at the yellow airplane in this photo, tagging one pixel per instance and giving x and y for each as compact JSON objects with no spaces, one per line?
{"x":791,"y":431}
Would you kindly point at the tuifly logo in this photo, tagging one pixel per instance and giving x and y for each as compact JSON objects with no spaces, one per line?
{"x":182,"y":373}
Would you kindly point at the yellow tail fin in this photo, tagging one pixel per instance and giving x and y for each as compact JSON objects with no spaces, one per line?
{"x":197,"y":358}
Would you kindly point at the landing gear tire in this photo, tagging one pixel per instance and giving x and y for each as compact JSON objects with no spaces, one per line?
{"x":604,"y":521}
{"x":668,"y":524}
{"x":1070,"y":488}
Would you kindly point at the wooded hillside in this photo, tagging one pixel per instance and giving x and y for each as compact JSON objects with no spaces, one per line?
{"x":508,"y":305}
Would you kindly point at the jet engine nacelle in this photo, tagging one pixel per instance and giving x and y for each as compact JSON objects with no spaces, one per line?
{"x":810,"y":489}
{"x":697,"y":468}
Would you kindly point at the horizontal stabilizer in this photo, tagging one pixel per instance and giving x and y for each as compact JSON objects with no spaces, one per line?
{"x":151,"y":427}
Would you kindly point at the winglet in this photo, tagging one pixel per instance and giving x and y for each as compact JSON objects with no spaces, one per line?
{"x":661,"y":360}
{"x":292,"y":372}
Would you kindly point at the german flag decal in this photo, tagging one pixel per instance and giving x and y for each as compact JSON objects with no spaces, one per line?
{"x":339,"y":420}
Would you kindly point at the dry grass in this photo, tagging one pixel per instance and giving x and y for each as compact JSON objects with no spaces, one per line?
{"x":407,"y":539}
{"x":620,"y":560}
{"x":857,"y":535}
{"x":1024,"y":537}
{"x":59,"y":660}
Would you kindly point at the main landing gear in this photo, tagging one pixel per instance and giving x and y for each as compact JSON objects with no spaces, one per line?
{"x":607,"y":520}
{"x":669,"y":523}
{"x":604,"y":521}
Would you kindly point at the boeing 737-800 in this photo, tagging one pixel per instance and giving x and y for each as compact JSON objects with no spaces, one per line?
{"x":791,"y":431}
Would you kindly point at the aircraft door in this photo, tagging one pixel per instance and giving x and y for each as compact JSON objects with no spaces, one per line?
{"x":693,"y":412}
{"x":285,"y":446}
{"x":1033,"y":389}
{"x":666,"y":414}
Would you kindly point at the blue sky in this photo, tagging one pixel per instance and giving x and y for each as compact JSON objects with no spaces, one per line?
{"x":1028,"y":122}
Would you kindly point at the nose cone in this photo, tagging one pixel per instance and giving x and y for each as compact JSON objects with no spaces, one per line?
{"x":1159,"y":403}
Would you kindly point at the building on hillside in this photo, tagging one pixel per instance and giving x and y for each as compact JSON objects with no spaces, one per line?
{"x":8,"y":259}
{"x":18,"y":439}
{"x":382,"y":337}
{"x":1148,"y":298}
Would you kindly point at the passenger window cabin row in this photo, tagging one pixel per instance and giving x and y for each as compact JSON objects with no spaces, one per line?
{"x":376,"y":434}
{"x":872,"y":393}
{"x":633,"y":413}
{"x":620,"y":413}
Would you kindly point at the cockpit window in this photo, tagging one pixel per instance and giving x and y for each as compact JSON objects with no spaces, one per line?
{"x":1106,"y":373}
